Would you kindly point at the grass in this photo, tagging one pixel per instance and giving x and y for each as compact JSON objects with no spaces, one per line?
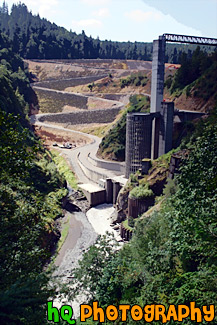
{"x":126,"y":225}
{"x":102,"y":130}
{"x":64,"y":234}
{"x":64,"y":169}
{"x":99,"y":131}
{"x":140,"y":192}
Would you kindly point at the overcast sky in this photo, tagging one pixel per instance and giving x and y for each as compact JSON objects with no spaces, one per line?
{"x":130,"y":20}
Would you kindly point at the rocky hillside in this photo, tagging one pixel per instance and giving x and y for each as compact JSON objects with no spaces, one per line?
{"x":192,"y":87}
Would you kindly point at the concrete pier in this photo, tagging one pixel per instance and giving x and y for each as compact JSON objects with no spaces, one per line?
{"x":166,"y":128}
{"x":157,"y":81}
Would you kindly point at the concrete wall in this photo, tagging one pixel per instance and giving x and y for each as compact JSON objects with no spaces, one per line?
{"x":137,"y":207}
{"x":118,"y":167}
{"x":91,"y":174}
{"x":187,"y":115}
{"x":166,"y":128}
{"x":95,"y":198}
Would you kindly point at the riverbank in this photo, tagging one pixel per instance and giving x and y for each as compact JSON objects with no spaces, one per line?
{"x":83,"y":231}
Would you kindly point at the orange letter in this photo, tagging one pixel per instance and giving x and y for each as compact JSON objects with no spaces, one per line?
{"x":195,"y":311}
{"x":160,"y":311}
{"x":211,"y":313}
{"x":124,"y":309}
{"x":98,"y":310}
{"x":182,"y":315}
{"x":111,"y":312}
{"x":172,"y":313}
{"x":83,"y":314}
{"x":136,"y":312}
{"x":149,"y":310}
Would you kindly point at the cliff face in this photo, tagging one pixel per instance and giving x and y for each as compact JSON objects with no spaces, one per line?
{"x":156,"y":180}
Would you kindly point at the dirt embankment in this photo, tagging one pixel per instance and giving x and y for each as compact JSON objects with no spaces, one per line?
{"x":50,"y":136}
{"x":61,"y":69}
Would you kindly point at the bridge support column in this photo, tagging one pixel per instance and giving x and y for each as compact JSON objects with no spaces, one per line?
{"x":157,"y":79}
{"x":157,"y":89}
{"x":166,"y":128}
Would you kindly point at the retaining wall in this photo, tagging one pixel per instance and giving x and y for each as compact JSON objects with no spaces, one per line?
{"x":118,"y":167}
{"x":63,"y":99}
{"x":70,"y":82}
{"x":91,"y":174}
{"x":126,"y":234}
{"x":83,"y":117}
{"x":137,"y":207}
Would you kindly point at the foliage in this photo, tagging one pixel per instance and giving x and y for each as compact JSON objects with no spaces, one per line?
{"x":129,"y":223}
{"x":64,"y":169}
{"x":15,"y":91}
{"x":192,"y":68}
{"x":206,"y":86}
{"x":140,"y":192}
{"x":171,"y":258}
{"x":31,"y":192}
{"x":36,"y":38}
{"x":134,"y":79}
{"x":91,"y":266}
{"x":26,"y":226}
{"x":113,"y":144}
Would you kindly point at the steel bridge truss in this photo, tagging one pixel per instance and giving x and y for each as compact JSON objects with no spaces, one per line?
{"x":189,"y":39}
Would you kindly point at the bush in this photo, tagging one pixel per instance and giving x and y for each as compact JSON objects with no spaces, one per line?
{"x":140,"y":192}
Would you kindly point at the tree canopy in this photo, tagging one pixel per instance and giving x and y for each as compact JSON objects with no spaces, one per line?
{"x":37,"y":38}
{"x":31,"y":192}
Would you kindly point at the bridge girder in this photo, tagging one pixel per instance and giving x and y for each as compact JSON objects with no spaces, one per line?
{"x":189,"y":39}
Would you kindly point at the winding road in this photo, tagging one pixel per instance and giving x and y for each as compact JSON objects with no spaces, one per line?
{"x":81,"y":232}
{"x":79,"y":157}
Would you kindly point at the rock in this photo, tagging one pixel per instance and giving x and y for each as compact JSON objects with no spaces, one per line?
{"x":157,"y":180}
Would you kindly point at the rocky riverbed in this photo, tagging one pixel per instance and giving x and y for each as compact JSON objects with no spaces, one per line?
{"x":83,"y":231}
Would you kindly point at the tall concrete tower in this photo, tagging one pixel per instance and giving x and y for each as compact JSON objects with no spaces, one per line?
{"x":138,"y":140}
{"x":157,"y":81}
{"x":157,"y":89}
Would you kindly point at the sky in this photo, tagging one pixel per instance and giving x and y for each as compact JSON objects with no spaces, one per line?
{"x":129,"y":20}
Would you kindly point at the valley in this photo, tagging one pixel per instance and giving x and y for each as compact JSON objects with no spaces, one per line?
{"x":96,"y":138}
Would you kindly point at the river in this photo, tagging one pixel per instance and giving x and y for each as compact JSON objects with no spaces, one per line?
{"x":83,"y":231}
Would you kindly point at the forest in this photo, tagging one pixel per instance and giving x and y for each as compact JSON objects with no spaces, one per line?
{"x":31,"y":193}
{"x":34,"y":37}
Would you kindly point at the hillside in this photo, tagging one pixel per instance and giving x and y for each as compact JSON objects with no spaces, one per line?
{"x":192,"y":87}
{"x":31,"y":193}
{"x":171,"y":258}
{"x":113,"y":144}
{"x":36,"y":38}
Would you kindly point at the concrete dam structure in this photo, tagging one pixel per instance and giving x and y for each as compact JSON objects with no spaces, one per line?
{"x":149,"y":135}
